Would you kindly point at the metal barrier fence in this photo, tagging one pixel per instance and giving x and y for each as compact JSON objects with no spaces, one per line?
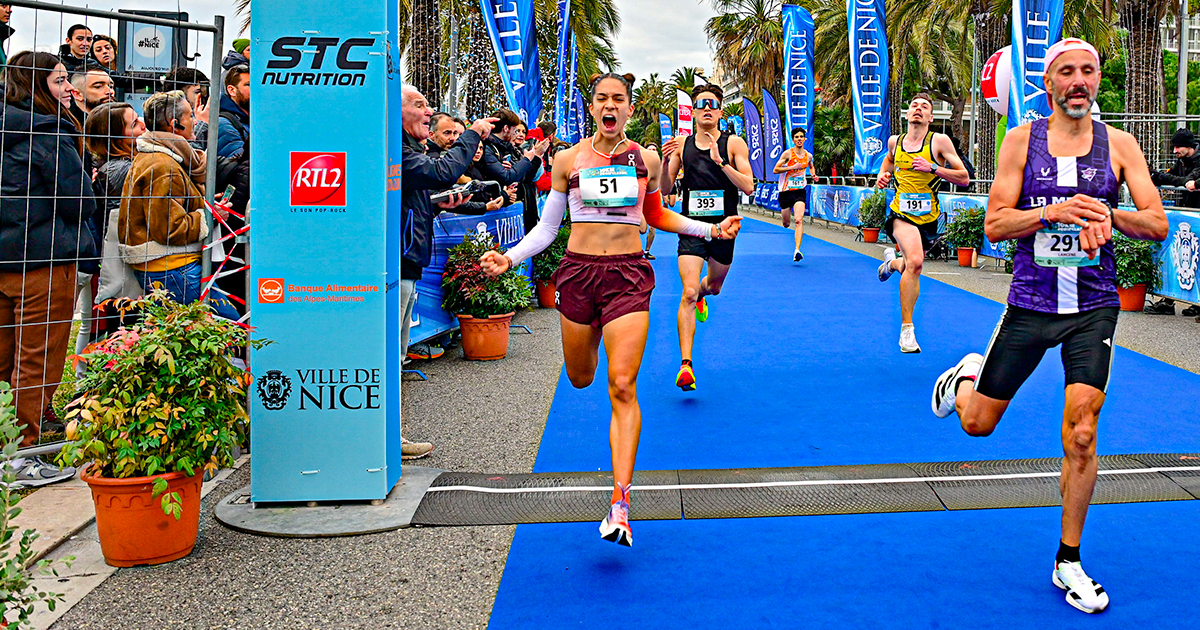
{"x":92,"y":209}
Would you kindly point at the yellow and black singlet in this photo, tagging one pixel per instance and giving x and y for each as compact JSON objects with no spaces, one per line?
{"x":916,"y":198}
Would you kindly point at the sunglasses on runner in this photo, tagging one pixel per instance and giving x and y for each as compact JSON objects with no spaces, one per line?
{"x":708,"y":103}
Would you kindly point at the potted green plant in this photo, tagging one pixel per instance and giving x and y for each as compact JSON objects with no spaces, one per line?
{"x":1137,"y":270}
{"x":871,"y":214}
{"x":18,"y":593}
{"x":483,"y":304}
{"x":965,"y":232}
{"x":546,"y":263}
{"x":161,"y":403}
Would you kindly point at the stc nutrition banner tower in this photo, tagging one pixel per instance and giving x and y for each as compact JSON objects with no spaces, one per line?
{"x":325,"y":406}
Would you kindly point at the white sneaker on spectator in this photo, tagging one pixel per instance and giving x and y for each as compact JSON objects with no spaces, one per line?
{"x":414,"y":450}
{"x":34,"y":472}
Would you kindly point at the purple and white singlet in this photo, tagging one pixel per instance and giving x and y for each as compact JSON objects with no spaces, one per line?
{"x":1050,"y":272}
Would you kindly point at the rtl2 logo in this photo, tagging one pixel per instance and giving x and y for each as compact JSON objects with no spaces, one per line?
{"x":318,"y":179}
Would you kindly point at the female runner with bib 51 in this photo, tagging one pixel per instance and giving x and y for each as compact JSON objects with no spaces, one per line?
{"x":604,"y":282}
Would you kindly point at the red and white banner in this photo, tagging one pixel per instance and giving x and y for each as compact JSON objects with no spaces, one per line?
{"x":683,"y":126}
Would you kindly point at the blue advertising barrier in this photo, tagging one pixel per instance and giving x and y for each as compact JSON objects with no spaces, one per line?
{"x":1178,"y":257}
{"x":951,"y":205}
{"x":505,"y":225}
{"x":325,"y":408}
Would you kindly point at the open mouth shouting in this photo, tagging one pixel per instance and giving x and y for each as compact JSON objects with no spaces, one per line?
{"x":608,"y":123}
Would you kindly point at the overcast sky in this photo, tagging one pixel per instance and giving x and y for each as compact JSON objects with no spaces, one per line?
{"x":656,"y":35}
{"x":662,"y":36}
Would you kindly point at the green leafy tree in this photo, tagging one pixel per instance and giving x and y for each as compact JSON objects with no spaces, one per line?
{"x":747,"y":37}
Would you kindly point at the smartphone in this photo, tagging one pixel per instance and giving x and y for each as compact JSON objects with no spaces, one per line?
{"x":227,"y":196}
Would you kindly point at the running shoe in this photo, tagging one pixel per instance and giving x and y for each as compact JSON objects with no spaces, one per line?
{"x":885,"y":270}
{"x":615,"y":526}
{"x":797,"y":257}
{"x":686,"y":379}
{"x":908,"y":340}
{"x":423,"y":351}
{"x":647,"y":255}
{"x":1082,"y":591}
{"x":702,"y":310}
{"x":945,"y":390}
{"x":34,"y":472}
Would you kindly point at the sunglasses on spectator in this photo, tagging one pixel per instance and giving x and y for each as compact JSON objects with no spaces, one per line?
{"x":708,"y":103}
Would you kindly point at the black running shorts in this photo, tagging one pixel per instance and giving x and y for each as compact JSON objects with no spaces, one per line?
{"x":1023,"y":336}
{"x":928,"y":231}
{"x":716,"y":249}
{"x":788,"y":198}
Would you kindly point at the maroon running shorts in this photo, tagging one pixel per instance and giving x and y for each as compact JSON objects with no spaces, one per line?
{"x":595,"y":290}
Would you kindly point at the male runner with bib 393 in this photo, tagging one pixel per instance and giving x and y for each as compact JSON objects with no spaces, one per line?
{"x":1057,"y":180}
{"x":716,"y":165}
{"x":915,"y":157}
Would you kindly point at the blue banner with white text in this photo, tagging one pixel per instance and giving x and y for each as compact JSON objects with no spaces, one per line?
{"x":579,"y":111}
{"x":511,"y":24}
{"x":869,"y":76}
{"x":799,"y":78}
{"x":1037,"y":25}
{"x":754,"y":138}
{"x":664,"y":127}
{"x":562,"y":89}
{"x":773,"y":137}
{"x":1179,"y":257}
{"x":739,"y":128}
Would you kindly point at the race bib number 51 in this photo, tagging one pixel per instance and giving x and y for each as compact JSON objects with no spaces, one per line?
{"x":1060,"y":247}
{"x":609,"y":186}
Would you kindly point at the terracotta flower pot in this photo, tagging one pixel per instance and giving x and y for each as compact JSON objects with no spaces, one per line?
{"x":545,"y":293}
{"x":1132,"y":298}
{"x":870,"y":235}
{"x":966,"y":256}
{"x":484,"y":339}
{"x":132,"y":526}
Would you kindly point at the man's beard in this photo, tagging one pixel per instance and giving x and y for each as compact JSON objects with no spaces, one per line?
{"x":94,"y":104}
{"x":1076,"y":112}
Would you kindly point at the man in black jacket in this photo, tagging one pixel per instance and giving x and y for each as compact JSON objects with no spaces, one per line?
{"x":74,"y":54}
{"x":422,"y":175}
{"x":507,"y":164}
{"x":6,"y":31}
{"x":1184,"y":174}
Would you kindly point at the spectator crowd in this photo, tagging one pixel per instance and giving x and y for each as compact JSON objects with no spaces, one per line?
{"x":98,"y":203}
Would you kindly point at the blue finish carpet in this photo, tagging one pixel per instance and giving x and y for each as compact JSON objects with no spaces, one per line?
{"x":798,"y":365}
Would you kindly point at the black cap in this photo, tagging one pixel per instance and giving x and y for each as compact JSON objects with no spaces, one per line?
{"x":1183,"y":138}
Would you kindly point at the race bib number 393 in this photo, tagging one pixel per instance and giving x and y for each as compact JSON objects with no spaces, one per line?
{"x":706,"y":203}
{"x":916,"y":204}
{"x":609,"y":186}
{"x":1059,"y":247}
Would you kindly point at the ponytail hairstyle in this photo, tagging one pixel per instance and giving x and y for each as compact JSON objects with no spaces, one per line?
{"x":627,"y":79}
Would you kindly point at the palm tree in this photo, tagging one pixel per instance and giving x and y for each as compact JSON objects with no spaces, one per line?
{"x":1144,"y":70}
{"x":747,"y":36}
{"x":685,"y":78}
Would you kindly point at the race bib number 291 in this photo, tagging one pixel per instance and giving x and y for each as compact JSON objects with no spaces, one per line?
{"x":1060,"y":247}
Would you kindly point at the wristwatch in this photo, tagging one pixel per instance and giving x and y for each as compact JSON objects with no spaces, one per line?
{"x":722,"y":164}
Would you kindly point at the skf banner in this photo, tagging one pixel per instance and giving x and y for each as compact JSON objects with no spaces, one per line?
{"x":772,"y":136}
{"x":683,"y":124}
{"x":562,"y":89}
{"x":511,"y":23}
{"x":1037,"y":25}
{"x":324,"y":406}
{"x":754,"y":138}
{"x":739,"y":128}
{"x":869,"y":76}
{"x":664,"y":127}
{"x":799,"y":81}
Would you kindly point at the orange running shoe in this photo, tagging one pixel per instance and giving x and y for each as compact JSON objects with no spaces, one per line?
{"x":686,"y":379}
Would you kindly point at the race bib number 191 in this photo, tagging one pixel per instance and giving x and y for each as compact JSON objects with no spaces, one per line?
{"x":1059,"y":247}
{"x":609,"y":186}
{"x":916,"y":204}
{"x":706,"y":203}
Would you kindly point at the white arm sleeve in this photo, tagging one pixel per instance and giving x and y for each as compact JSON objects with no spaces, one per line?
{"x":543,"y":233}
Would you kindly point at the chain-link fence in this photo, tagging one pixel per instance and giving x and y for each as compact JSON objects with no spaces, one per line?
{"x":110,"y":165}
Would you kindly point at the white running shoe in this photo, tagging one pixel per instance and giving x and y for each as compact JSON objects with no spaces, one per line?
{"x":908,"y":340}
{"x":885,"y":270}
{"x":945,"y":389}
{"x":1082,"y":591}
